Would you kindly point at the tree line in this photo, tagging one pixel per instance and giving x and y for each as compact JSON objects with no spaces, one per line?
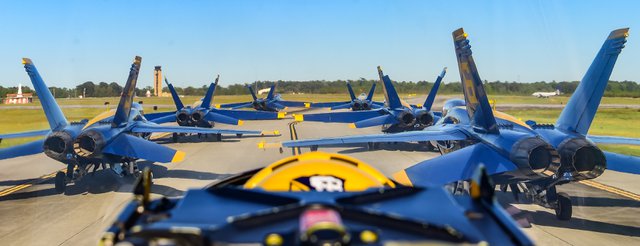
{"x":113,"y":89}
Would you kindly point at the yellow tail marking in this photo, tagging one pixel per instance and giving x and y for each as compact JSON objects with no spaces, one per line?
{"x":178,"y":156}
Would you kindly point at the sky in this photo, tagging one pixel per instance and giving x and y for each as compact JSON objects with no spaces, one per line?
{"x":71,"y":42}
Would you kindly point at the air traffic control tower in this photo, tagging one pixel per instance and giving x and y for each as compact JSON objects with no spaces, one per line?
{"x":157,"y":81}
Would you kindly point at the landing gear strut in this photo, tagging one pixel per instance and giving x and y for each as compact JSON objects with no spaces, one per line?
{"x":61,"y":182}
{"x":549,"y":198}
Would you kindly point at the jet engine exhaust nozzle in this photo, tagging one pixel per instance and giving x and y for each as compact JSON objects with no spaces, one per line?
{"x":58,"y":145}
{"x":535,"y":157}
{"x":582,"y":158}
{"x":89,"y":144}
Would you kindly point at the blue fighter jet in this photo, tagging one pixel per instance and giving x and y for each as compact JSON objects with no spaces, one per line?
{"x":533,"y":159}
{"x":362,"y":102}
{"x":115,"y":138}
{"x":396,"y":115}
{"x":273,"y":102}
{"x":203,"y":115}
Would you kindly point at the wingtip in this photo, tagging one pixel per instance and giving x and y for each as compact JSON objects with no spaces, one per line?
{"x":240,"y":122}
{"x":216,"y":105}
{"x":459,"y":34}
{"x":619,"y":33}
{"x":178,"y":156}
{"x":281,"y":115}
{"x":26,"y":61}
{"x":298,"y":117}
{"x":352,"y":125}
{"x":137,"y":60}
{"x":307,"y":105}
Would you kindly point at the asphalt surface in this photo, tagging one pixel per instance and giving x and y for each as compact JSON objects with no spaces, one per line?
{"x":36,"y":215}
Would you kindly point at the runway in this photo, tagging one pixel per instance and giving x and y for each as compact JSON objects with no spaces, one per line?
{"x":36,"y":215}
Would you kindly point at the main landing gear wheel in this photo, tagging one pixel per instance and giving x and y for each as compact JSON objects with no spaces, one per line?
{"x":219,"y":137}
{"x":60,"y":182}
{"x":564,"y":207}
{"x":174,"y":137}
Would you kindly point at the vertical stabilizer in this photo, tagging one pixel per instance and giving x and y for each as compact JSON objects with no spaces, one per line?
{"x":253,"y":93}
{"x":478,"y":106}
{"x":206,"y":102}
{"x":390,"y":94}
{"x":272,"y":92}
{"x":371,"y":91}
{"x":434,"y":90}
{"x":351,"y":94}
{"x":174,"y":95}
{"x":51,"y":109}
{"x":124,"y":107}
{"x":581,"y":108}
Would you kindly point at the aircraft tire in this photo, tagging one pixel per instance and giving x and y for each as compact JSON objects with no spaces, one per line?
{"x":239,"y":135}
{"x":564,"y":207}
{"x":174,"y":137}
{"x":219,"y":137}
{"x":60,"y":182}
{"x":313,"y":148}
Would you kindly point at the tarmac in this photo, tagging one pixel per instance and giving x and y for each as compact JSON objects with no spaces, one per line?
{"x":31,"y":213}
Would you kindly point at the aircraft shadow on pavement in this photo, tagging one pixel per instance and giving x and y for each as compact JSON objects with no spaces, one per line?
{"x":415,"y":147}
{"x":546,"y":218}
{"x":105,"y":181}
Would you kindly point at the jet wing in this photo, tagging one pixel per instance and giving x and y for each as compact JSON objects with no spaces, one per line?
{"x":22,"y":150}
{"x":341,"y":117}
{"x":622,"y":163}
{"x":152,"y":128}
{"x":164,"y":119}
{"x":135,"y":147}
{"x":613,"y":140}
{"x":449,"y":133}
{"x":25,"y":134}
{"x":235,"y":105}
{"x":294,"y":104}
{"x":154,"y":116}
{"x":329,"y":104}
{"x":455,"y":166}
{"x":250,"y":115}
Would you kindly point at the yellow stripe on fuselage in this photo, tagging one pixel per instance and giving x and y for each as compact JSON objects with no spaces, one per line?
{"x":514,"y":120}
{"x":100,"y":117}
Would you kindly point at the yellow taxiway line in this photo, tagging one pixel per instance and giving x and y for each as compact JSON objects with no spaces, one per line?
{"x":19,"y":187}
{"x":611,"y":189}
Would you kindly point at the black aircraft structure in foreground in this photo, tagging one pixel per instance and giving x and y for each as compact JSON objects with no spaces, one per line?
{"x":316,"y":199}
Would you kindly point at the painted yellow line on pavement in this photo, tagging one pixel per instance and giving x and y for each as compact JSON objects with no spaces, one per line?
{"x":611,"y":189}
{"x":19,"y":187}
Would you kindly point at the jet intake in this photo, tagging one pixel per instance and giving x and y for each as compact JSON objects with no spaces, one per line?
{"x":424,"y":118}
{"x":535,"y":157}
{"x":582,"y":159}
{"x":89,"y":144}
{"x":406,"y":119}
{"x":58,"y":145}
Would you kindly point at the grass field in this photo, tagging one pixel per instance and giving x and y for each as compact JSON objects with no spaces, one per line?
{"x":616,"y":122}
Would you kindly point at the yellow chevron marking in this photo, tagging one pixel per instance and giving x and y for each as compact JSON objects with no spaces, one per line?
{"x":100,"y":117}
